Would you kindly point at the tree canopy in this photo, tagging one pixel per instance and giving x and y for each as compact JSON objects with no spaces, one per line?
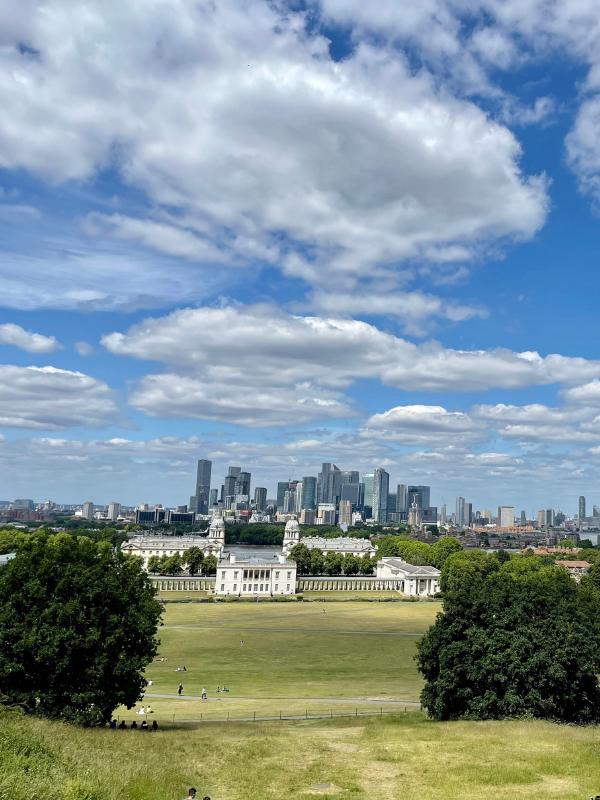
{"x":518,"y":639}
{"x":78,"y":623}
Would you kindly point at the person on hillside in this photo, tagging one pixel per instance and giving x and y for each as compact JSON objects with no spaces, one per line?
{"x":203,"y":693}
{"x":142,"y":711}
{"x":191,"y":795}
{"x":122,"y":725}
{"x":154,"y":725}
{"x":133,"y":725}
{"x":112,"y":724}
{"x":144,"y":726}
{"x":180,"y":689}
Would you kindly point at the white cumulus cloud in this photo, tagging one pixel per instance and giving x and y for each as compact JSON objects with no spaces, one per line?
{"x":48,"y":398}
{"x":27,"y":340}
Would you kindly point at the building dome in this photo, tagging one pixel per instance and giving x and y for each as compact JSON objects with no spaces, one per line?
{"x":217,"y":528}
{"x":292,"y":527}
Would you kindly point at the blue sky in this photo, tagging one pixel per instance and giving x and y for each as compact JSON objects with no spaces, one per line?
{"x":276,"y":234}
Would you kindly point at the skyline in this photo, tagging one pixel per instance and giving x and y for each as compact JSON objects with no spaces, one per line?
{"x":275,"y":234}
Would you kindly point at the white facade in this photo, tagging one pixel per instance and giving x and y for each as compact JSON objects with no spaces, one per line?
{"x":341,"y":544}
{"x":113,"y":511}
{"x":412,"y":580}
{"x":147,"y":546}
{"x":291,"y":535}
{"x":87,"y":510}
{"x":255,"y":578}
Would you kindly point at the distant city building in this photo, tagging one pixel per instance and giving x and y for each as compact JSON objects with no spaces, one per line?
{"x":87,"y":510}
{"x":260,"y":498}
{"x":460,"y":514}
{"x":309,"y":493}
{"x":113,"y":511}
{"x":581,"y":507}
{"x":402,"y":498}
{"x":415,"y":515}
{"x":419,"y":493}
{"x":381,"y":485}
{"x":307,"y":516}
{"x":367,"y":493}
{"x":325,"y":514}
{"x":506,"y":516}
{"x":200,"y":500}
{"x":214,"y":497}
{"x":329,"y":483}
{"x":345,"y":513}
{"x":23,"y":503}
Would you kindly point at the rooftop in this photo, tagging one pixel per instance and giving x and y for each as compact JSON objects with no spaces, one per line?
{"x":415,"y":570}
{"x":341,"y":543}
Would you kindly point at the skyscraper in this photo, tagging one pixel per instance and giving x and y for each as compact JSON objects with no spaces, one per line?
{"x":309,"y":492}
{"x":345,"y":512}
{"x":402,"y":498}
{"x":421,"y":494}
{"x":581,"y":507}
{"x":214,"y":497}
{"x":381,"y":485}
{"x":506,"y":516}
{"x":459,"y":516}
{"x":329,"y":483}
{"x":113,"y":511}
{"x":367,"y":498}
{"x":260,"y":498}
{"x":242,"y":484}
{"x":87,"y":511}
{"x":202,"y":493}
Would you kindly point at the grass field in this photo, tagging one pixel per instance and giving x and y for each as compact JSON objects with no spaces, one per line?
{"x":296,"y":657}
{"x":404,"y":758}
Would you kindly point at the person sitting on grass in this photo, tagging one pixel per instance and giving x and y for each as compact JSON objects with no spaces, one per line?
{"x":133,"y":725}
{"x":154,"y":725}
{"x":144,"y":726}
{"x":122,"y":725}
{"x":191,"y":795}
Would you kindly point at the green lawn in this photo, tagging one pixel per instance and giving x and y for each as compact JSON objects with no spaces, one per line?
{"x":403,"y":758}
{"x":296,"y":657}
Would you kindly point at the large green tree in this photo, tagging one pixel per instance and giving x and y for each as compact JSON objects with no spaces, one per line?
{"x":78,"y":623}
{"x":301,"y":555}
{"x":514,"y":640}
{"x":193,"y":559}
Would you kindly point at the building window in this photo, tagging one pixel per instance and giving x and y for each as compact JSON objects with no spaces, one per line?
{"x":276,"y":587}
{"x":256,"y":587}
{"x":289,"y":576}
{"x":288,"y":587}
{"x":277,"y":575}
{"x":235,"y":587}
{"x":235,"y":576}
{"x":223,"y":573}
{"x":244,"y":588}
{"x":222,"y":587}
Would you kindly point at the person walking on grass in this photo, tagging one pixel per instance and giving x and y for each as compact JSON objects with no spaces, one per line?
{"x":203,"y":693}
{"x":180,"y":689}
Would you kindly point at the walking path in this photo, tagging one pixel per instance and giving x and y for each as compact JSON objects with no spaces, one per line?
{"x":376,"y":701}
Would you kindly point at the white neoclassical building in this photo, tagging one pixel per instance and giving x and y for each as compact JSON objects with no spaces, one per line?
{"x":255,"y":577}
{"x":291,"y":535}
{"x":147,"y":546}
{"x":413,"y":580}
{"x":340,"y":544}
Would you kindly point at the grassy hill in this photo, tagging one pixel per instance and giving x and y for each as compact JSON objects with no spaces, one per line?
{"x":295,"y":656}
{"x":406,"y":757}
